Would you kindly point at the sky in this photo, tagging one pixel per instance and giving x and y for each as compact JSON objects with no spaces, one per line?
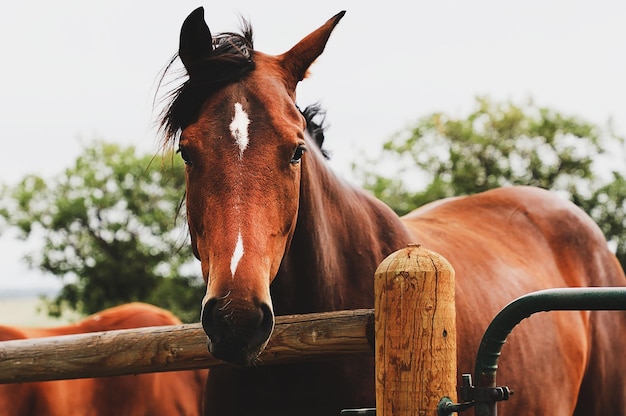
{"x":75,"y":71}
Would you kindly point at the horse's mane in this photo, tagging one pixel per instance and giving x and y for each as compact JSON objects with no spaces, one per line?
{"x":231,"y":59}
{"x":316,"y":129}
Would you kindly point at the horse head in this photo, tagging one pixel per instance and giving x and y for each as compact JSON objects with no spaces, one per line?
{"x":243,"y":140}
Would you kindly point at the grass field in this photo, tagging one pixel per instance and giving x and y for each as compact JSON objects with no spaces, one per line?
{"x":25,"y":311}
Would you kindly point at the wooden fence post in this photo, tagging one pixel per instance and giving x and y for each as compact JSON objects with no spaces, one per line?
{"x":415,"y":321}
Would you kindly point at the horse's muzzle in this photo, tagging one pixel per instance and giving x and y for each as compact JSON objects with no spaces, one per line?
{"x":237,"y":333}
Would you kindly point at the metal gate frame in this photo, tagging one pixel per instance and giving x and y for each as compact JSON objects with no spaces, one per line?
{"x":485,"y":395}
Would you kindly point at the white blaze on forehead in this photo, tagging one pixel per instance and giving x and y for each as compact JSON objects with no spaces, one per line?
{"x":239,"y":128}
{"x":237,"y":255}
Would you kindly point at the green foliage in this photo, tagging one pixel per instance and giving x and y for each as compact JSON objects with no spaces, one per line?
{"x":501,"y":144}
{"x":109,"y":230}
{"x":607,"y":206}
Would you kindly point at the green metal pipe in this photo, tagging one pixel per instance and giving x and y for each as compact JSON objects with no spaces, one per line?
{"x":566,"y":299}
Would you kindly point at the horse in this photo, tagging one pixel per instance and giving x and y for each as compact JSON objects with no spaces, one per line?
{"x":173,"y":393}
{"x":278,"y":232}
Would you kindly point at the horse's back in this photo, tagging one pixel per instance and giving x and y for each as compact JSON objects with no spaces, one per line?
{"x":156,"y":394}
{"x":126,"y":316}
{"x":519,"y":226}
{"x":511,"y":241}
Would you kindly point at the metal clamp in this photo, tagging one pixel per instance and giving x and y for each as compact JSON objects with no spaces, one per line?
{"x":470,"y":395}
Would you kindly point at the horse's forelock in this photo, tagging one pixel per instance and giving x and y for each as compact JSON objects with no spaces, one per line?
{"x":230,"y":60}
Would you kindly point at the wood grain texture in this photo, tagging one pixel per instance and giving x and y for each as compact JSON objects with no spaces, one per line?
{"x":415,"y":342}
{"x":179,"y":347}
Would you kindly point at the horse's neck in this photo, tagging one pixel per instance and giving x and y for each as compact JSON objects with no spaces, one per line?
{"x":341,"y":236}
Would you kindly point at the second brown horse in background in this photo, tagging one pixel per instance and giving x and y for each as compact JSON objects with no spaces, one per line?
{"x":158,"y":394}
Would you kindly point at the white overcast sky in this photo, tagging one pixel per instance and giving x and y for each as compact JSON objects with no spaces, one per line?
{"x":75,"y":71}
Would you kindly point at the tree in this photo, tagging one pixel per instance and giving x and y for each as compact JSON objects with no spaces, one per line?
{"x":501,"y":144}
{"x":109,"y":229}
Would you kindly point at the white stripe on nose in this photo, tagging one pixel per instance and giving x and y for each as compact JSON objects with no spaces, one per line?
{"x":237,"y":255}
{"x":239,"y":128}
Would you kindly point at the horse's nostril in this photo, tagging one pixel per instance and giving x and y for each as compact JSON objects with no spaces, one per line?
{"x":266,"y":324}
{"x":237,"y":333}
{"x":208,"y":318}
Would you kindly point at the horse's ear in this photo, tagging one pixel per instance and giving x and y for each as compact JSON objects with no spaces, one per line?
{"x":196,"y":41}
{"x":298,"y":59}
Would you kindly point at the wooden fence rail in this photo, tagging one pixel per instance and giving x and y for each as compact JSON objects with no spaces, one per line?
{"x":179,"y":347}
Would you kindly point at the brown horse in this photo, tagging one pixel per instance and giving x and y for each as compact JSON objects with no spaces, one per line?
{"x":175,"y":393}
{"x":264,"y":209}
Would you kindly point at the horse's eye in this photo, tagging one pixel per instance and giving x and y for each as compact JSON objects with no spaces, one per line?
{"x":184,"y":155}
{"x":297,"y":155}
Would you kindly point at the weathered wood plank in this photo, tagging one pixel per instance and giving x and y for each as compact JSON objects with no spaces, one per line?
{"x":180,"y":347}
